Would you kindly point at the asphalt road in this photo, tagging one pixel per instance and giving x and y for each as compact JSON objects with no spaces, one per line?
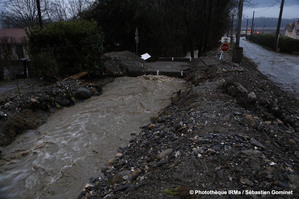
{"x":281,"y":68}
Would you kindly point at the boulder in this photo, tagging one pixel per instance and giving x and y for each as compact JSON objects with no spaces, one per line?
{"x":83,"y":93}
{"x":252,"y":96}
{"x":63,"y":100}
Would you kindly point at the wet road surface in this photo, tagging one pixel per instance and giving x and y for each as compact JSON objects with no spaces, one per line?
{"x":283,"y":69}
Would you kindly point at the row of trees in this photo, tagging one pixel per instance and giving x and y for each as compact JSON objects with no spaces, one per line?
{"x":166,"y":27}
{"x":24,"y":13}
{"x":65,"y":45}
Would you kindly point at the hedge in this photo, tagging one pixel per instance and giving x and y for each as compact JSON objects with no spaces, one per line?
{"x":66,"y":48}
{"x":286,"y":44}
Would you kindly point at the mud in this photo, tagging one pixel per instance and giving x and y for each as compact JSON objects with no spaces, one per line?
{"x":59,"y":157}
{"x":233,"y":129}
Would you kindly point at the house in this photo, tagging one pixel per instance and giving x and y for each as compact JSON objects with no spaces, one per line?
{"x":13,"y":53}
{"x":13,"y":42}
{"x":292,"y":30}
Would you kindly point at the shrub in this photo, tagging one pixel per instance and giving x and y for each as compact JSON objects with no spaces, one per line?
{"x":285,"y":44}
{"x":66,"y":48}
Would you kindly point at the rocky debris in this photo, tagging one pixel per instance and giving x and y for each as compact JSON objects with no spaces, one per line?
{"x":83,"y":93}
{"x":40,"y":101}
{"x":252,"y":96}
{"x":2,"y":114}
{"x":123,"y":63}
{"x":250,"y":120}
{"x":257,"y":143}
{"x":164,"y":153}
{"x":294,"y":180}
{"x":19,"y":122}
{"x":63,"y":100}
{"x":213,"y":137}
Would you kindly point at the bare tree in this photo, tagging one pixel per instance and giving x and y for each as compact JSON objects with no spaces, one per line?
{"x":19,"y":13}
{"x":24,"y":13}
{"x":39,"y":13}
{"x":66,"y":9}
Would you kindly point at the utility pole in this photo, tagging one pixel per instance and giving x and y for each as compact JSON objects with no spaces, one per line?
{"x":278,"y":26}
{"x":39,"y":14}
{"x":238,"y":51}
{"x":246,"y":27}
{"x":240,"y":13}
{"x":232,"y":29}
{"x":252,"y":26}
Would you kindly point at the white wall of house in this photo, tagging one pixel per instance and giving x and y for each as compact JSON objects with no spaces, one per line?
{"x":288,"y":34}
{"x":295,"y":34}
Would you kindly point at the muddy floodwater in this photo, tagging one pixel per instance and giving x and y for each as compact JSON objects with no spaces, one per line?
{"x":57,"y":159}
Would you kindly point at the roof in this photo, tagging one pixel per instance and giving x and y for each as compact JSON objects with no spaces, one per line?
{"x":16,"y":35}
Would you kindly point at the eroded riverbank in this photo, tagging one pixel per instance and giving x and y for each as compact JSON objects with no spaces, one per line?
{"x":233,"y":129}
{"x":58,"y":159}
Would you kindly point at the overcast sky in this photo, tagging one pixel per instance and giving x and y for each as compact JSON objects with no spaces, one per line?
{"x":270,"y":8}
{"x":264,"y":8}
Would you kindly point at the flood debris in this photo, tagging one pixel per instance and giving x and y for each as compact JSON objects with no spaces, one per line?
{"x":233,"y":129}
{"x":38,"y":100}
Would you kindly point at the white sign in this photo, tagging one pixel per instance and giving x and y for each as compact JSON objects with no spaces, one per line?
{"x":145,"y":56}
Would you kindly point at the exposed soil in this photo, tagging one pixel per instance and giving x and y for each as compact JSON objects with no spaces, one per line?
{"x":232,"y":130}
{"x":37,"y":100}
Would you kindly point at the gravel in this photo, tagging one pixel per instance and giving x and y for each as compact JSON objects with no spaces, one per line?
{"x":233,"y":129}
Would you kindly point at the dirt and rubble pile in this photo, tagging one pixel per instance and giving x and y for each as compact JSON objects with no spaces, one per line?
{"x":232,"y":130}
{"x":123,"y":63}
{"x":31,"y":108}
{"x":41,"y":98}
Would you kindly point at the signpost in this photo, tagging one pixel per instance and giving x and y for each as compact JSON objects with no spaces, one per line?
{"x":224,"y":48}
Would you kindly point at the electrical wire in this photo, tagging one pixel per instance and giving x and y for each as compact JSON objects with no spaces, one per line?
{"x":2,"y":2}
{"x":277,"y":1}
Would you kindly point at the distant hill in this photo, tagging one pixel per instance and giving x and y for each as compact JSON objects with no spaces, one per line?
{"x":267,"y":22}
{"x":260,"y":3}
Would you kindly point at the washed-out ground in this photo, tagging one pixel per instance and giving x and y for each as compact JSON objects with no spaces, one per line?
{"x":26,"y":103}
{"x":233,"y":129}
{"x":234,"y":132}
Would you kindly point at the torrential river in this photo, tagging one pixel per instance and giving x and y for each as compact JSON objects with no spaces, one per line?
{"x":57,"y":159}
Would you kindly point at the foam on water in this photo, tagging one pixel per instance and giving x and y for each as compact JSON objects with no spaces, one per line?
{"x":57,"y":160}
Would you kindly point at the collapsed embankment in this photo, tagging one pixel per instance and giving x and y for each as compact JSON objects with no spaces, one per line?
{"x":38,"y":99}
{"x":232,"y":130}
{"x":31,"y":108}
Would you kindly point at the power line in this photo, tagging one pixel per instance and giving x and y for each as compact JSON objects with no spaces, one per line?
{"x":3,"y":2}
{"x":277,"y":1}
